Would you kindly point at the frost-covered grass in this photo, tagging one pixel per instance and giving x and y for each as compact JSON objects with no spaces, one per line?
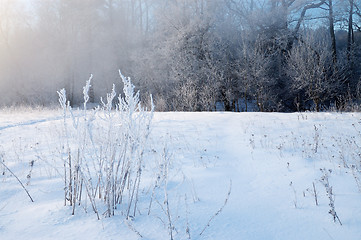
{"x":103,"y":150}
{"x":276,"y":163}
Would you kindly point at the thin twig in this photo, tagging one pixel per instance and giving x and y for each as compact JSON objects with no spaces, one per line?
{"x":315,"y":193}
{"x":131,"y":227}
{"x":18,"y":180}
{"x":221,"y":209}
{"x":188,"y":231}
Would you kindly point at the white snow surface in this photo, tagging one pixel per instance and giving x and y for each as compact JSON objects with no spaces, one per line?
{"x":271,"y":161}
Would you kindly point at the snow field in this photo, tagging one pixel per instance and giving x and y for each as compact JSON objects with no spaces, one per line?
{"x":270,"y":159}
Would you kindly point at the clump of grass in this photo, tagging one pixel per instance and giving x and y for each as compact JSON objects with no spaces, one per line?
{"x":104,"y":148}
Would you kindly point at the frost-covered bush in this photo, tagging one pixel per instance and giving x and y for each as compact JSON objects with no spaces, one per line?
{"x":103,"y":150}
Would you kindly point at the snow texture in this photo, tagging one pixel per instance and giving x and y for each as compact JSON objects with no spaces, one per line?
{"x":272,"y":160}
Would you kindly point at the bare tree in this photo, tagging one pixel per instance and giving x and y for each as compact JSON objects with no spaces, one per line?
{"x":311,"y":70}
{"x":254,"y":74}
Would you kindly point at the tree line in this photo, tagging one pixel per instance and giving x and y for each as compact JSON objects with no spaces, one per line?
{"x":191,"y":55}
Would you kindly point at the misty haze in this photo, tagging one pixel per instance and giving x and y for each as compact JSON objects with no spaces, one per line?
{"x":192,"y":55}
{"x":180,"y":119}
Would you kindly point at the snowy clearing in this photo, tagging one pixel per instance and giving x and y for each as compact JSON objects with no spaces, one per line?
{"x":268,"y":161}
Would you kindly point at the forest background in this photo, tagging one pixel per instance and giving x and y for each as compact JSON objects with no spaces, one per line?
{"x":191,"y":55}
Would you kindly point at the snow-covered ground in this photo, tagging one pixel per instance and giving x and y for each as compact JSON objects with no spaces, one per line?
{"x":268,"y":161}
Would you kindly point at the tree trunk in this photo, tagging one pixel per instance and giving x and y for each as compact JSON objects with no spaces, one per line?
{"x":332,"y":33}
{"x":300,"y":20}
{"x":350,"y":37}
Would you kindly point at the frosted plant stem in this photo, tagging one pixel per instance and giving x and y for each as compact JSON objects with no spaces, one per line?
{"x":137,"y":193}
{"x":131,"y":227}
{"x":220,"y":210}
{"x":22,"y":185}
{"x":70,"y":180}
{"x":188,"y":231}
{"x":315,"y":193}
{"x":65,"y":184}
{"x":91,"y":198}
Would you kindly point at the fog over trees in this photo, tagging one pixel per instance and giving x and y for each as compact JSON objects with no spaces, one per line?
{"x":192,"y":55}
